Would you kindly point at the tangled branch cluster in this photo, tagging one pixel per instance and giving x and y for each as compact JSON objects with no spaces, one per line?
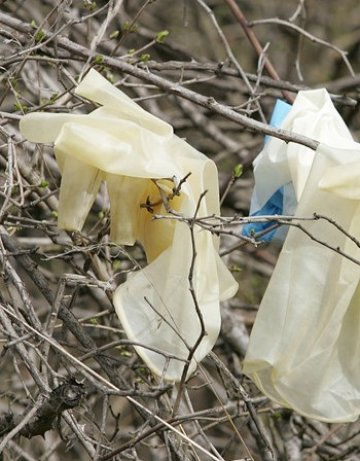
{"x":68,"y":371}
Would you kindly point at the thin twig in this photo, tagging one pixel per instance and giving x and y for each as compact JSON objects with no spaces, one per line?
{"x":171,"y":87}
{"x":239,"y":15}
{"x":199,"y":314}
{"x":307,"y":35}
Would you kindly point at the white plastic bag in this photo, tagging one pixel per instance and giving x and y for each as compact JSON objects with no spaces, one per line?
{"x":305,"y":344}
{"x":129,"y":149}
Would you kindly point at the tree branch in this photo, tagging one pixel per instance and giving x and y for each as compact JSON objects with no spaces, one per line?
{"x":168,"y":86}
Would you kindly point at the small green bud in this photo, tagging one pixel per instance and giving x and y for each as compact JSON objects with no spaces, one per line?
{"x":235,"y":268}
{"x":116,"y":265}
{"x":115,"y":34}
{"x":21,"y":107}
{"x":238,"y":170}
{"x":89,"y":5}
{"x":110,"y":76}
{"x":99,"y":59}
{"x":161,"y":36}
{"x":145,"y":57}
{"x":39,"y":36}
{"x":123,"y":351}
{"x":127,"y":27}
{"x":43,"y":183}
{"x":53,"y":97}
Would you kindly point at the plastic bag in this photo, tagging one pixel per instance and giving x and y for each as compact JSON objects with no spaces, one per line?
{"x":142,"y":161}
{"x":275,"y":204}
{"x":305,"y":344}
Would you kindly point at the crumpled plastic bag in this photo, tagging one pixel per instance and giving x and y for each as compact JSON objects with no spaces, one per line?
{"x":142,"y":162}
{"x":305,"y":344}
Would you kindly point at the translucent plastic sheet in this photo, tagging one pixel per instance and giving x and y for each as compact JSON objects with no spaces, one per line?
{"x":128,"y":148}
{"x":305,"y":345}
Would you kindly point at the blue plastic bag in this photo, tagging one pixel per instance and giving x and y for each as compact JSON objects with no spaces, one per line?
{"x":275,"y":204}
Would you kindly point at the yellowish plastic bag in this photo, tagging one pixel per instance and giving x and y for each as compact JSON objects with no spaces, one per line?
{"x":305,"y":345}
{"x":142,"y":161}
